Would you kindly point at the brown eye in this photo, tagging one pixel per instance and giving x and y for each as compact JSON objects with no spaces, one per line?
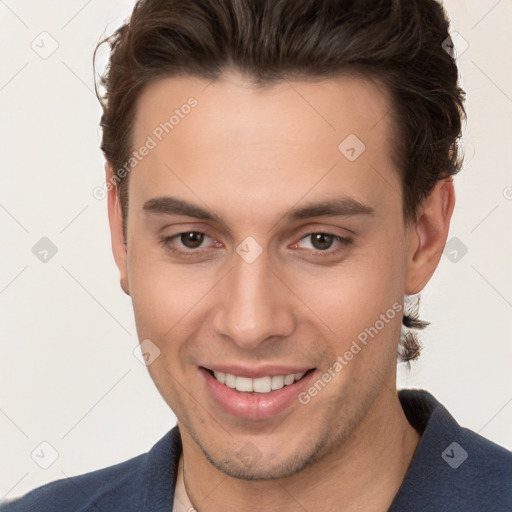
{"x":325,"y":244}
{"x":192,"y":239}
{"x":321,"y":241}
{"x":189,"y":244}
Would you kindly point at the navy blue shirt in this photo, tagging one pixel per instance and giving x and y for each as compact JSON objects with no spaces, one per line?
{"x":453,"y":470}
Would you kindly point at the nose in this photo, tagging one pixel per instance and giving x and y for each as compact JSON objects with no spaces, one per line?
{"x":255,"y":305}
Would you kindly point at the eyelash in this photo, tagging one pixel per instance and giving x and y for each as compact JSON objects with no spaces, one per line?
{"x":166,"y":241}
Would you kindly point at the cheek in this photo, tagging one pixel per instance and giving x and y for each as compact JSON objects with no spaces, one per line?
{"x":163,"y":303}
{"x":355,"y":295}
{"x":159,"y":294}
{"x":170,"y":301}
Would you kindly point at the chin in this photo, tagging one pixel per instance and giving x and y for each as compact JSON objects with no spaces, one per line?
{"x":259,"y":464}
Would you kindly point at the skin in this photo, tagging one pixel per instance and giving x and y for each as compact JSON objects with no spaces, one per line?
{"x":250,"y":155}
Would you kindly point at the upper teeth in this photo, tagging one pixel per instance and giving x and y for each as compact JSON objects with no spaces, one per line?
{"x":260,"y":385}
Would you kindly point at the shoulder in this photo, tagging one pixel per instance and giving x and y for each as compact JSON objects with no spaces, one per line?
{"x":489,"y":465}
{"x":470,"y":473}
{"x":121,"y":487}
{"x":79,"y":493}
{"x":453,"y":468}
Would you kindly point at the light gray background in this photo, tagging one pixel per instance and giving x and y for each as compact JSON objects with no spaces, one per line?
{"x":68,"y":373}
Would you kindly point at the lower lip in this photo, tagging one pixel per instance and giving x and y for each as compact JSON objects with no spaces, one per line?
{"x":254,"y":406}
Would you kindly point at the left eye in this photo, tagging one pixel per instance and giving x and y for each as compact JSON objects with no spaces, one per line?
{"x":323,"y":241}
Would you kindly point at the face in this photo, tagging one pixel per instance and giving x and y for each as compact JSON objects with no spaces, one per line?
{"x":260,"y":253}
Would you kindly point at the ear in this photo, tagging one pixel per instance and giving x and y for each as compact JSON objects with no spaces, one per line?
{"x":427,"y":236}
{"x":115,"y":220}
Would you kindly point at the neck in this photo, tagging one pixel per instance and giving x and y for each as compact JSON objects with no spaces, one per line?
{"x":364,"y":472}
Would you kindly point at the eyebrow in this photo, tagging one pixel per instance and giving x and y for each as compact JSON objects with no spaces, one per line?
{"x":342,"y":207}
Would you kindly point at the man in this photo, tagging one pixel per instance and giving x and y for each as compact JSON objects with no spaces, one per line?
{"x":279,"y":177}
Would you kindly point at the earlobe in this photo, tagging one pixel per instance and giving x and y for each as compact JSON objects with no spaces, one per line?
{"x":115,"y":219}
{"x":427,"y":236}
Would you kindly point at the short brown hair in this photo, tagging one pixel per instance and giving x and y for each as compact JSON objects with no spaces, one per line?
{"x":399,"y":43}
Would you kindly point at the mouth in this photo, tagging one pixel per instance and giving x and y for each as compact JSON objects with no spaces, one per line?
{"x":263,"y":395}
{"x":265,"y":384}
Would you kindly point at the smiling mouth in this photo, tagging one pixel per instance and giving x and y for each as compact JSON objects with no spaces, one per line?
{"x":259,"y":385}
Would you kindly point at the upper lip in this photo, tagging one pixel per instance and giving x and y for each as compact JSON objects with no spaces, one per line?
{"x":257,"y":372}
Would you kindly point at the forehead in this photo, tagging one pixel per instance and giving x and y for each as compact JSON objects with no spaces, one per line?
{"x":346,"y":104}
{"x":335,"y":132}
